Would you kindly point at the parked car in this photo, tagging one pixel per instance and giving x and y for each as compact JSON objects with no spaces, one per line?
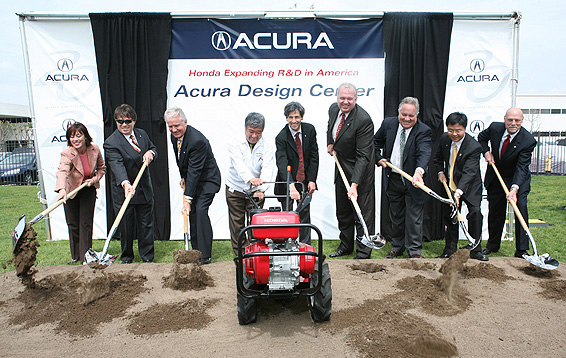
{"x":19,"y":168}
{"x":4,"y":155}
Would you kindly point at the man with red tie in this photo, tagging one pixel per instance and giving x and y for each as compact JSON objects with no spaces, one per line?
{"x":296,"y":146}
{"x":349,"y":136}
{"x":509,"y":146}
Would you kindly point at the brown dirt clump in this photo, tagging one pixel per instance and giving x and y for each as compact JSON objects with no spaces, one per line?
{"x":62,"y":300}
{"x":450,"y":270}
{"x":188,"y":277}
{"x":369,"y":267}
{"x":186,"y":256}
{"x":555,"y":289}
{"x":93,"y":286}
{"x":163,"y":318}
{"x":487,"y":271}
{"x":538,"y":272}
{"x":24,"y":256}
{"x":417,"y":265}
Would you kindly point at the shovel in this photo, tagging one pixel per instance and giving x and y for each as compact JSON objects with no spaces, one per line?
{"x":425,"y":188}
{"x":544,"y":261}
{"x":102,"y":257}
{"x":19,"y":229}
{"x":186,"y":224}
{"x":472,"y":241}
{"x":374,"y":241}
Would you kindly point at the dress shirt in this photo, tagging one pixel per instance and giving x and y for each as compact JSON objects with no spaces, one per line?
{"x":246,"y":164}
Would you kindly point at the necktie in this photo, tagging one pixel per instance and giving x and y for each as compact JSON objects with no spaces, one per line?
{"x":340,"y":125}
{"x":135,"y":144}
{"x":505,"y":144}
{"x":301,"y":169}
{"x":452,"y":162}
{"x":179,"y":144}
{"x":402,"y":147}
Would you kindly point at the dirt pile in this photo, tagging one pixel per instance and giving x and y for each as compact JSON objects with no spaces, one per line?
{"x":369,"y":267}
{"x":74,"y":304}
{"x":554,"y":289}
{"x":188,"y":277}
{"x":186,"y":256}
{"x":450,"y":271}
{"x":163,"y":318}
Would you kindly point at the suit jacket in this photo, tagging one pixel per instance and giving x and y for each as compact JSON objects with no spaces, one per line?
{"x":125,"y":163}
{"x":353,"y":146}
{"x":514,"y":164}
{"x":71,"y":173}
{"x":467,"y":175}
{"x":197,"y":164}
{"x":416,"y":154}
{"x":287,"y":154}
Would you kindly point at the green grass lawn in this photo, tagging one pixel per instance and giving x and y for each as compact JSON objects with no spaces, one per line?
{"x":548,"y":196}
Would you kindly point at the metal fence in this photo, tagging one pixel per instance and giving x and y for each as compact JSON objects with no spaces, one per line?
{"x":549,"y":156}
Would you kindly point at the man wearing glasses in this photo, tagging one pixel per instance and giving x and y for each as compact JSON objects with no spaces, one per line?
{"x":126,"y":149}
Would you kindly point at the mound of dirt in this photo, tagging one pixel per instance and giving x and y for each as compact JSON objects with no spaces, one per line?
{"x":186,"y":256}
{"x":188,"y":277}
{"x":487,"y":271}
{"x":163,"y":318}
{"x":368,"y":267}
{"x":24,"y":256}
{"x":417,"y":265}
{"x":68,"y":301}
{"x":555,"y":289}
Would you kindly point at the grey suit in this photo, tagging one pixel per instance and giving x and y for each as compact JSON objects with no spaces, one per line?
{"x":124,"y":163}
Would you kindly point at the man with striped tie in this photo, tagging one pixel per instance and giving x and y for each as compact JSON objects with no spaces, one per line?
{"x":126,"y":149}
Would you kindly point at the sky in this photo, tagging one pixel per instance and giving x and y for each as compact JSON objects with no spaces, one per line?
{"x":541,"y":49}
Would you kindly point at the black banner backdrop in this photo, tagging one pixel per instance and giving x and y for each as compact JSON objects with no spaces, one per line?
{"x":132,"y":51}
{"x":417,"y":46}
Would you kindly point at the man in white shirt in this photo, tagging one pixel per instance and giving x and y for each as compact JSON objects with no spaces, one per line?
{"x":251,"y":164}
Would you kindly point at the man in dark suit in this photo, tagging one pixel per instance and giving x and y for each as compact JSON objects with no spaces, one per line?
{"x":509,"y":146}
{"x":296,"y":146}
{"x":126,"y":149}
{"x":458,"y":161}
{"x":405,"y":142}
{"x":349,"y":136}
{"x":200,"y":178}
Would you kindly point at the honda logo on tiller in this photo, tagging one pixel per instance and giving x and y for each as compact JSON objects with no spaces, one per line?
{"x":221,"y":41}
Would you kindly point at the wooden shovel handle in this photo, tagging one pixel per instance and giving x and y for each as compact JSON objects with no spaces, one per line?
{"x":512,"y":202}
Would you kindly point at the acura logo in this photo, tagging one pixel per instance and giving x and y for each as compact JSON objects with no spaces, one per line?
{"x":477,"y":65}
{"x":476,"y":126}
{"x":221,"y":40}
{"x":65,"y":65}
{"x":67,"y":123}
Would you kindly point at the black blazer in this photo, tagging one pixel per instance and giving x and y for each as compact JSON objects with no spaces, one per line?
{"x":286,"y":154}
{"x":466,"y":168}
{"x":353,"y":146}
{"x":125,"y":162}
{"x":514,"y":164}
{"x":197,"y":164}
{"x":416,"y":154}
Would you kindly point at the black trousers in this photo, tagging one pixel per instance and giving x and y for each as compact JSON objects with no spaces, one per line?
{"x":137,"y":222}
{"x":348,"y":222}
{"x":201,"y":228}
{"x":79,"y":213}
{"x":475,"y":220}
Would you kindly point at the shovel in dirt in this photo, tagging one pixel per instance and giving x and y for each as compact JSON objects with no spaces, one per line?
{"x":19,"y":229}
{"x":472,"y":241}
{"x":374,"y":241}
{"x":103,"y":257}
{"x":544,"y":261}
{"x":421,"y":186}
{"x":186,"y":225}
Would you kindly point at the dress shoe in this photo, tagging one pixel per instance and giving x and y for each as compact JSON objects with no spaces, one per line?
{"x":443,"y":256}
{"x":360,"y":257}
{"x":486,"y":251}
{"x":520,"y":253}
{"x":205,"y":261}
{"x":477,"y":255}
{"x":417,"y":256}
{"x":72,"y":262}
{"x":338,"y":253}
{"x":126,"y":261}
{"x":393,"y":254}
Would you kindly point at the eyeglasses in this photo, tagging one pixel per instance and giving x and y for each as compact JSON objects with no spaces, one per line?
{"x":122,"y":121}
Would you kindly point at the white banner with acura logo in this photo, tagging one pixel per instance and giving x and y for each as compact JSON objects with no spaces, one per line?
{"x":479,"y":78}
{"x":219,"y":71}
{"x":64,"y":85}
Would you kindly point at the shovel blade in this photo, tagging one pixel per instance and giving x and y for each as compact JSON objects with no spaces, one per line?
{"x":373,"y":242}
{"x":544,"y":261}
{"x":18,"y":231}
{"x":93,"y":256}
